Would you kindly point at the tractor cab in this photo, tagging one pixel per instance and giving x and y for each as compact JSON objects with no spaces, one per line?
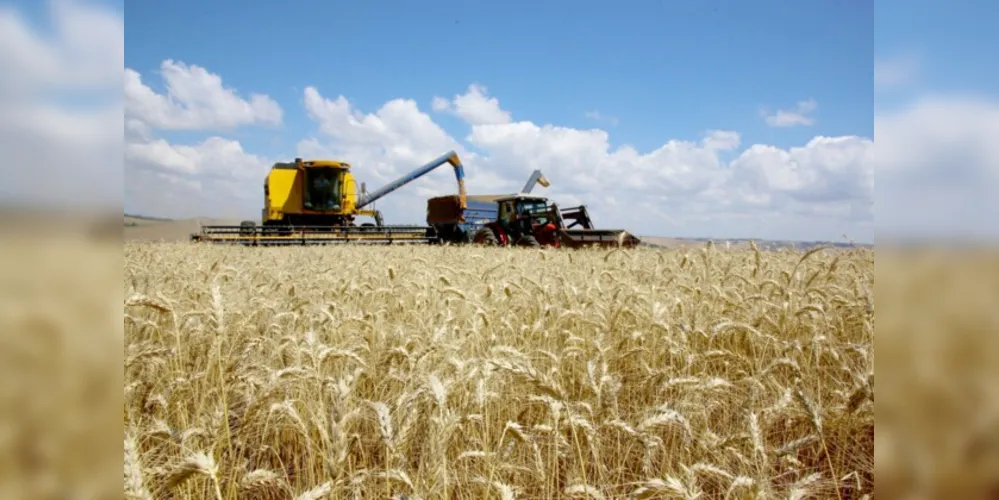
{"x":524,"y":215}
{"x":534,"y":209}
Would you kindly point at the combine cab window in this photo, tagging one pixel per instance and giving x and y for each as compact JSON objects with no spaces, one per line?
{"x":322,"y":190}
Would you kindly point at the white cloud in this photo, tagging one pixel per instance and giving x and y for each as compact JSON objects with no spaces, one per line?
{"x":936,"y":161}
{"x":474,"y":106}
{"x":196,"y":99}
{"x":895,"y":72}
{"x":56,"y":154}
{"x":938,"y":168}
{"x":822,"y":188}
{"x":721,"y":140}
{"x":600,"y":117}
{"x":86,"y":49}
{"x":215,"y":177}
{"x":799,"y":115}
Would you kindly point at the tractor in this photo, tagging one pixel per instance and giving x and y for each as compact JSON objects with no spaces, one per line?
{"x":535,"y":221}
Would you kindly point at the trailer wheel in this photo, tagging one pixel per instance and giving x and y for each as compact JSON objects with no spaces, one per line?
{"x":485,"y":237}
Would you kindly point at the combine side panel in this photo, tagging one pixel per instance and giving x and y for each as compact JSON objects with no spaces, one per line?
{"x":284,"y":190}
{"x":350,"y":193}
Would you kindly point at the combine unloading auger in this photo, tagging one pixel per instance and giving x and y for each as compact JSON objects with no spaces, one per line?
{"x":316,"y":202}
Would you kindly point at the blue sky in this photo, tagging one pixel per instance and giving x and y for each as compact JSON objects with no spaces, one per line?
{"x":954,"y":42}
{"x":685,"y":84}
{"x":662,"y":69}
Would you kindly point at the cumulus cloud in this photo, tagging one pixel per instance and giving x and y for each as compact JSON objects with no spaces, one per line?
{"x":895,"y":72}
{"x":796,"y":116}
{"x":215,"y":176}
{"x":824,"y":187}
{"x":600,"y":117}
{"x":85,"y":50}
{"x":57,"y":155}
{"x":474,"y":106}
{"x":195,"y":99}
{"x":935,"y":161}
{"x":721,"y":140}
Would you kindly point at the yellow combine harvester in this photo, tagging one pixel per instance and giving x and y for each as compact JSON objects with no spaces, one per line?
{"x":317,"y":201}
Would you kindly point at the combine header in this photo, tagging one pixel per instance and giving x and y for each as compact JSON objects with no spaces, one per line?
{"x":316,"y":202}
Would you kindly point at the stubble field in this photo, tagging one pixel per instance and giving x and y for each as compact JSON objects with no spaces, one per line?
{"x":497,"y":373}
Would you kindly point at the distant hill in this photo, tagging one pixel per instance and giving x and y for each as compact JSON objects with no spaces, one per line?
{"x":146,"y":217}
{"x":147,"y":228}
{"x":762,"y":244}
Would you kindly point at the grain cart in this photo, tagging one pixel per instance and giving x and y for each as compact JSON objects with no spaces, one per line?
{"x":317,"y":202}
{"x":451,"y":222}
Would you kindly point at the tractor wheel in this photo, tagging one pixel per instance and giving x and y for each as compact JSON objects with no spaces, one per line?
{"x":485,"y":237}
{"x":529,"y":241}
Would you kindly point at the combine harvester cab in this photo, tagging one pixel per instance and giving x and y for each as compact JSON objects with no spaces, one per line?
{"x":316,"y":202}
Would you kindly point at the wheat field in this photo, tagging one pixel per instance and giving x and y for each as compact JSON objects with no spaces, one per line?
{"x":448,"y":372}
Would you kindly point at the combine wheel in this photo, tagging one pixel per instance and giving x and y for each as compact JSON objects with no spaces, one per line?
{"x":485,"y":237}
{"x":246,"y":228}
